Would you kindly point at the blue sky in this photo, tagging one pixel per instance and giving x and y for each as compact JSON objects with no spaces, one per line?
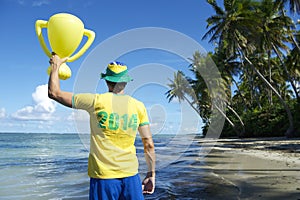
{"x":24,"y":106}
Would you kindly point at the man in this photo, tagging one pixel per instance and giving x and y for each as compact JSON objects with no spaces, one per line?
{"x":114,"y":120}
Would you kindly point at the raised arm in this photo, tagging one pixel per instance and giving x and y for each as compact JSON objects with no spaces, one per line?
{"x":148,"y":183}
{"x":54,"y":91}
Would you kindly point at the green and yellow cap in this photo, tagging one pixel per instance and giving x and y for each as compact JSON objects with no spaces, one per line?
{"x":116,"y":72}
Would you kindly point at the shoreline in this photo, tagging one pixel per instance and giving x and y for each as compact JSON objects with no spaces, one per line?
{"x":261,"y":168}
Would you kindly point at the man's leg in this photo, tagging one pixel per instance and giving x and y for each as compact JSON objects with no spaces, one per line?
{"x":132,"y":188}
{"x":104,"y":189}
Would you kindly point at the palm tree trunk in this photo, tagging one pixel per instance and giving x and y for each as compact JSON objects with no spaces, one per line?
{"x":270,"y":77}
{"x":228,"y":120}
{"x":290,"y":131}
{"x":239,"y":118}
{"x":192,"y":105}
{"x":222,"y":113}
{"x":251,"y":85}
{"x":240,"y":93}
{"x":287,"y":72}
{"x":295,"y":42}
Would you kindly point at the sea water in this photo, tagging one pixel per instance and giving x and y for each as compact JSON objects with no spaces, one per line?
{"x":54,"y":166}
{"x":42,"y":166}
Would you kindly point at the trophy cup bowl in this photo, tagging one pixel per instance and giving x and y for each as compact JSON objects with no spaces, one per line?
{"x":65,"y":33}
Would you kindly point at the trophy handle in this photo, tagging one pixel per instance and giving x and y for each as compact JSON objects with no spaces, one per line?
{"x":91,"y":36}
{"x":39,"y":24}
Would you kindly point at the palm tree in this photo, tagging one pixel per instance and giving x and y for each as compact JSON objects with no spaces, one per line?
{"x":180,"y":89}
{"x":272,"y":34}
{"x":290,"y":131}
{"x":293,"y":4}
{"x":234,"y":28}
{"x":229,"y":69}
{"x":293,"y":62}
{"x":275,"y":32}
{"x":206,"y":100}
{"x":294,"y":8}
{"x":230,"y":26}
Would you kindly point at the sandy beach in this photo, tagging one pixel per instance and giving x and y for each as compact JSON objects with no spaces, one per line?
{"x":263,"y":168}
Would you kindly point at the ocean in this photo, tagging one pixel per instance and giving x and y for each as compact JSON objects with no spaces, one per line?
{"x":40,"y":166}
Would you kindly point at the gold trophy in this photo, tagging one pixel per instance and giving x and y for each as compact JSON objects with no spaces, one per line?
{"x":65,"y":32}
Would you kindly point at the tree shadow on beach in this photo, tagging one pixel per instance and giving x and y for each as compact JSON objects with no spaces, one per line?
{"x":291,"y":145}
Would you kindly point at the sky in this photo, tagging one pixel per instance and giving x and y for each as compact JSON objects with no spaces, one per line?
{"x":24,"y":105}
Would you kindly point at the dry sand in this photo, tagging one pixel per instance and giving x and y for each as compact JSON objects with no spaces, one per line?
{"x":264,"y":168}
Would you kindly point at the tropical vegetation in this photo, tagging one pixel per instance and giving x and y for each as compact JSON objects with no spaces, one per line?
{"x":257,"y":54}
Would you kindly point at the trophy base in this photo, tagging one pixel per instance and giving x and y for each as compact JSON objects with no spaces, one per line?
{"x":64,"y":71}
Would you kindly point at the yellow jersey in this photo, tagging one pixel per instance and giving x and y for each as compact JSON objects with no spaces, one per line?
{"x":114,"y":120}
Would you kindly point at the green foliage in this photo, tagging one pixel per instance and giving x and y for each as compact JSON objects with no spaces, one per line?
{"x":270,"y":121}
{"x":256,"y":37}
{"x":257,"y":55}
{"x":266,"y":122}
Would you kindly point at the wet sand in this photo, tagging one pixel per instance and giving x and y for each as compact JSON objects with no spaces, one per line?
{"x":265,"y":168}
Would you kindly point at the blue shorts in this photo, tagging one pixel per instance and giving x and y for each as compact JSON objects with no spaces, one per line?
{"x":116,"y":189}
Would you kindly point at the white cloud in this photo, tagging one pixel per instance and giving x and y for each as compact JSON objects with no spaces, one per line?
{"x":21,"y":2}
{"x":80,"y":119}
{"x":79,"y":115}
{"x":43,"y":102}
{"x":2,"y":113}
{"x":40,"y":3}
{"x":42,"y":109}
